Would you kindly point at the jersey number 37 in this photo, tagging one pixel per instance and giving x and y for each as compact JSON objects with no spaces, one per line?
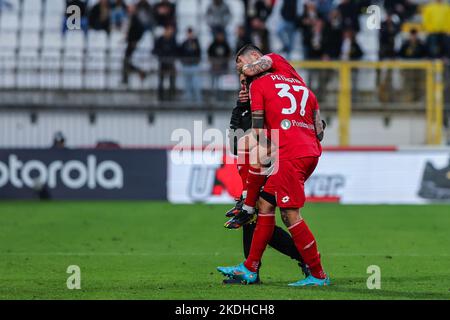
{"x":285,"y":91}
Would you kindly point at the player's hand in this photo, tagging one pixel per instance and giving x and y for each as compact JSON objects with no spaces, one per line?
{"x":244,"y":96}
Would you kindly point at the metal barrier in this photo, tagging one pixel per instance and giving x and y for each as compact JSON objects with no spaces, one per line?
{"x":434,"y":91}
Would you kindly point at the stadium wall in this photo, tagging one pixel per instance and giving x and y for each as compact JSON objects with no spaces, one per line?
{"x":20,"y":129}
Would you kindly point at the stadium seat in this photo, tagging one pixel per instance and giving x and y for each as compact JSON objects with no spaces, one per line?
{"x":52,"y":40}
{"x":29,"y":40}
{"x":53,"y":22}
{"x":74,"y":40}
{"x":97,"y":40}
{"x":8,"y":40}
{"x":116,"y":40}
{"x":9,"y":21}
{"x":33,"y":6}
{"x":30,"y":22}
{"x":28,"y":64}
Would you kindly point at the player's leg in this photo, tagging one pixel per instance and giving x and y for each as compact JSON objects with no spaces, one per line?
{"x":306,"y":245}
{"x":247,"y":235}
{"x":247,"y":271}
{"x":290,"y":200}
{"x":282,"y":240}
{"x":243,"y":165}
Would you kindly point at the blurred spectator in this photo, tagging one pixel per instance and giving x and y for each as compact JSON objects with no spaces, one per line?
{"x":318,"y":78}
{"x":404,"y":9}
{"x":165,"y":13}
{"x":242,"y":38}
{"x":436,"y":22}
{"x":333,"y":35}
{"x":413,"y":47}
{"x":291,"y":10}
{"x":141,"y":20}
{"x":324,"y":7}
{"x":119,"y":14}
{"x":219,"y":53}
{"x":413,"y":80}
{"x":100,"y":16}
{"x":218,"y":16}
{"x":59,"y":141}
{"x":350,"y":11}
{"x":390,"y":28}
{"x":82,"y":4}
{"x":330,"y":48}
{"x":307,"y":22}
{"x":316,"y":44}
{"x":259,"y":34}
{"x":261,"y":9}
{"x":190,"y":54}
{"x":350,"y":47}
{"x":166,"y":49}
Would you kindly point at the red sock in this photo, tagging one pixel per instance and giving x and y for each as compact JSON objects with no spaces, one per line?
{"x":255,"y":181}
{"x":306,"y":244}
{"x":261,"y":237}
{"x":243,"y":172}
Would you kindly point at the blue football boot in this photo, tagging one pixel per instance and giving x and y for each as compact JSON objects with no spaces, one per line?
{"x":239,"y":272}
{"x":311,"y":281}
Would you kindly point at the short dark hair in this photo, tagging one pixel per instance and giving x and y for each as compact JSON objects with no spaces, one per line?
{"x":247,"y":48}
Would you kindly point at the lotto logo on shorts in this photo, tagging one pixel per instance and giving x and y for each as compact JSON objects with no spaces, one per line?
{"x":285,"y":199}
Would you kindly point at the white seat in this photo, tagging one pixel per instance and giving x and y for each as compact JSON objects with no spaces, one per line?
{"x":52,"y":40}
{"x":9,"y":20}
{"x":97,"y":40}
{"x":116,"y":40}
{"x":74,"y":40}
{"x":34,"y":6}
{"x":30,"y":21}
{"x":55,"y":7}
{"x":29,"y":40}
{"x":8,"y":40}
{"x":28,"y":64}
{"x":53,"y":22}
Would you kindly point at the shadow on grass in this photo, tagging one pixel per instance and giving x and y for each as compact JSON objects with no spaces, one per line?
{"x":347,"y":285}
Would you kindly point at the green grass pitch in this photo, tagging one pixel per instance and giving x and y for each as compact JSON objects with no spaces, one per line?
{"x":144,"y":250}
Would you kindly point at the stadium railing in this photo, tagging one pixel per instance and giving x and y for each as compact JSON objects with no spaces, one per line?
{"x":426,"y":93}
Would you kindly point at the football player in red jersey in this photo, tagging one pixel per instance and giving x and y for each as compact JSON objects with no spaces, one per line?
{"x":251,"y":62}
{"x":285,"y":107}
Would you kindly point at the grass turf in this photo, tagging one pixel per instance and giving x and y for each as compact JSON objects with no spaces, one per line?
{"x":142,"y":250}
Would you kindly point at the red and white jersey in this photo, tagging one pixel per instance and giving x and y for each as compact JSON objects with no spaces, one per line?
{"x":281,"y":65}
{"x":289,"y":109}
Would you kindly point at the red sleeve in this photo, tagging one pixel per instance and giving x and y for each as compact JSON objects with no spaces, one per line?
{"x":274,"y":57}
{"x":256,"y":96}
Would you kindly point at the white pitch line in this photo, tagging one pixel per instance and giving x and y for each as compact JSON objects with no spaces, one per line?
{"x":206,"y":254}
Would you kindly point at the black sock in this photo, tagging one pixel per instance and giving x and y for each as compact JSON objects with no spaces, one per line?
{"x":282,"y":242}
{"x":247,"y":237}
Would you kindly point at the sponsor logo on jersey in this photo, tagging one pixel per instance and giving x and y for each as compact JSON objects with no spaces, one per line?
{"x":285,"y":124}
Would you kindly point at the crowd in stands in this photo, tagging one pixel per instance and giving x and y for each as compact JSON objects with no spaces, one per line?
{"x":319,"y":29}
{"x":328,"y":30}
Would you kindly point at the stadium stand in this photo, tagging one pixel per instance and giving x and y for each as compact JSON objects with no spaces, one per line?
{"x":83,"y":72}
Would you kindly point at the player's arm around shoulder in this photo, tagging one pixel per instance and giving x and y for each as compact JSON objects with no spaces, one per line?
{"x":261,"y":65}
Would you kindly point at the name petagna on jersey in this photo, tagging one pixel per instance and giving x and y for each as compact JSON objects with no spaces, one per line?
{"x":283,"y":78}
